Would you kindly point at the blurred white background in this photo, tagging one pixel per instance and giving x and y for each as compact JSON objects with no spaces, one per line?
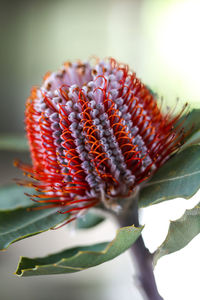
{"x":160,"y":40}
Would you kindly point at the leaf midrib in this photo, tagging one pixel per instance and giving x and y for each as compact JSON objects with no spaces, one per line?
{"x":172,"y":178}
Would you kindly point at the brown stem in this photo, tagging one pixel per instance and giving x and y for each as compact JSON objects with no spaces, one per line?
{"x":142,"y":258}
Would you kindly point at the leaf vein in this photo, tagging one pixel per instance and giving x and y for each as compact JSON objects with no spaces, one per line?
{"x":173,"y":178}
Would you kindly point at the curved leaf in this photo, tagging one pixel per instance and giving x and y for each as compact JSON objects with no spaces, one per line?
{"x":80,"y":258}
{"x":179,"y":177}
{"x":12,"y":197}
{"x":90,"y":219}
{"x":180,"y":233}
{"x":13,"y":143}
{"x":21,"y":223}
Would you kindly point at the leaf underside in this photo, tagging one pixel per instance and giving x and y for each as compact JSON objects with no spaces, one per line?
{"x":79,"y":258}
{"x":179,"y":177}
{"x":180,"y":233}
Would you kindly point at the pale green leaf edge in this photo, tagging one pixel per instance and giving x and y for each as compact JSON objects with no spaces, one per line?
{"x":61,"y":219}
{"x":185,"y":218}
{"x":22,"y":272}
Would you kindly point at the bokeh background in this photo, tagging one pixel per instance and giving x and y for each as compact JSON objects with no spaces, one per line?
{"x":160,"y":40}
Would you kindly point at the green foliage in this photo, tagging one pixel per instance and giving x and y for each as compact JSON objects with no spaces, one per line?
{"x":180,"y":233}
{"x":179,"y":177}
{"x":79,"y":258}
{"x":90,"y":219}
{"x":191,"y":122}
{"x":13,"y":197}
{"x":192,"y":140}
{"x":22,"y":223}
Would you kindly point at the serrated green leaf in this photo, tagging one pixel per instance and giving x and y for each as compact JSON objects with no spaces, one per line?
{"x":180,"y":233}
{"x":79,"y":258}
{"x":12,"y":197}
{"x":13,"y":143}
{"x":21,"y":223}
{"x":90,"y":219}
{"x":179,"y":177}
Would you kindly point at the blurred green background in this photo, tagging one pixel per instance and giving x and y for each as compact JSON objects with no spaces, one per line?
{"x":159,"y":40}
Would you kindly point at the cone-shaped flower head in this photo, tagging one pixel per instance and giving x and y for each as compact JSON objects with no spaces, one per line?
{"x":95,"y":134}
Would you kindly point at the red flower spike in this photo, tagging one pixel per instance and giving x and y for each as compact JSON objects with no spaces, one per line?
{"x":95,"y":134}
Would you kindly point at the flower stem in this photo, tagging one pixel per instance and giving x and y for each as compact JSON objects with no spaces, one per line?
{"x":142,"y":258}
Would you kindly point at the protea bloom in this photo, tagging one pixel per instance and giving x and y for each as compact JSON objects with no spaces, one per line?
{"x":95,"y":134}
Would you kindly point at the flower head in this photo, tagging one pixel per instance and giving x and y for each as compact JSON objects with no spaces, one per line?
{"x":95,"y":134}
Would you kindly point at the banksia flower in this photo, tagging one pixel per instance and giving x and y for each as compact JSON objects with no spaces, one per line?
{"x":95,"y":134}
